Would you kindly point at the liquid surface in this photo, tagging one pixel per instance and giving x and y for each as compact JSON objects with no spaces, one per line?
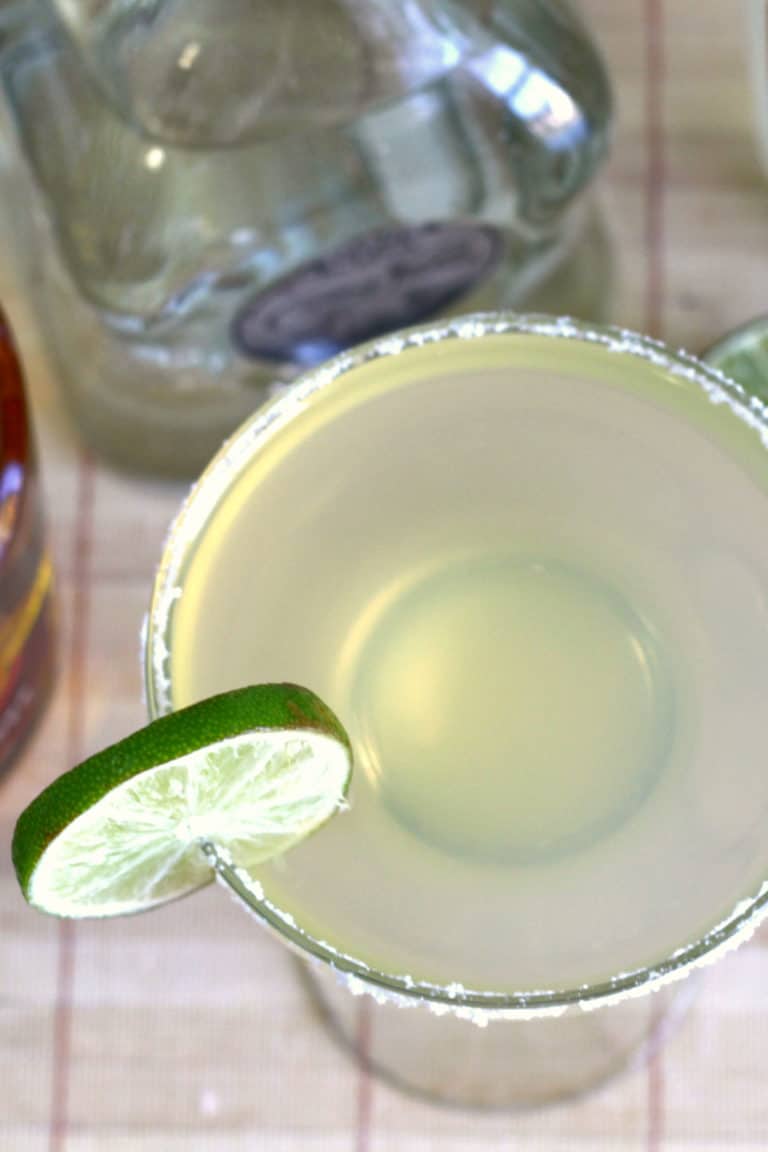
{"x":528,"y":576}
{"x":510,"y":710}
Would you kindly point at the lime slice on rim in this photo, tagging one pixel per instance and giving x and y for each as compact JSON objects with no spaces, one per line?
{"x":251,"y":771}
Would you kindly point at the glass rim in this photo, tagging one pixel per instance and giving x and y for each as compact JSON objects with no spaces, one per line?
{"x":203,"y":498}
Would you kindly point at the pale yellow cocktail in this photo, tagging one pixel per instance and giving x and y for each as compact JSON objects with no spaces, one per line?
{"x":526,"y":565}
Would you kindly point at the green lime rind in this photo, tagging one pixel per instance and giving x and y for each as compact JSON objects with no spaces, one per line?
{"x":255,"y":709}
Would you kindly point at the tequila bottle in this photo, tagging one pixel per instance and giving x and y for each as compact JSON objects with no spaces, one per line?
{"x":232,"y":193}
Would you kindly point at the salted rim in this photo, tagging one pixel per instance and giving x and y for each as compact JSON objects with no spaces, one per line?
{"x":229,"y":463}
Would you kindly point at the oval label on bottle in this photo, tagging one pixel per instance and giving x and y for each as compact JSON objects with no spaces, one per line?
{"x":368,"y":286}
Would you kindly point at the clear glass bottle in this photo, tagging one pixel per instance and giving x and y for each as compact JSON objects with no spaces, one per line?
{"x":233,"y":192}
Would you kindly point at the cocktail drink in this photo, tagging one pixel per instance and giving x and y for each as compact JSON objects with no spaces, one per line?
{"x":526,"y":564}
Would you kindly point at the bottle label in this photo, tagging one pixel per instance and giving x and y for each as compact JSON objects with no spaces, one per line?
{"x":366,"y":287}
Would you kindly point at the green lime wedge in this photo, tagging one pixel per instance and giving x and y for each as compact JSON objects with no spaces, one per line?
{"x":251,"y":771}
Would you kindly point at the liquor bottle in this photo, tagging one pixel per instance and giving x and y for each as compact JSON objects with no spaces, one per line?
{"x":26,"y":612}
{"x":233,"y":192}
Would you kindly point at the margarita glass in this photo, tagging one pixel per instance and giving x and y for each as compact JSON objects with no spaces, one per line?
{"x":522,"y":560}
